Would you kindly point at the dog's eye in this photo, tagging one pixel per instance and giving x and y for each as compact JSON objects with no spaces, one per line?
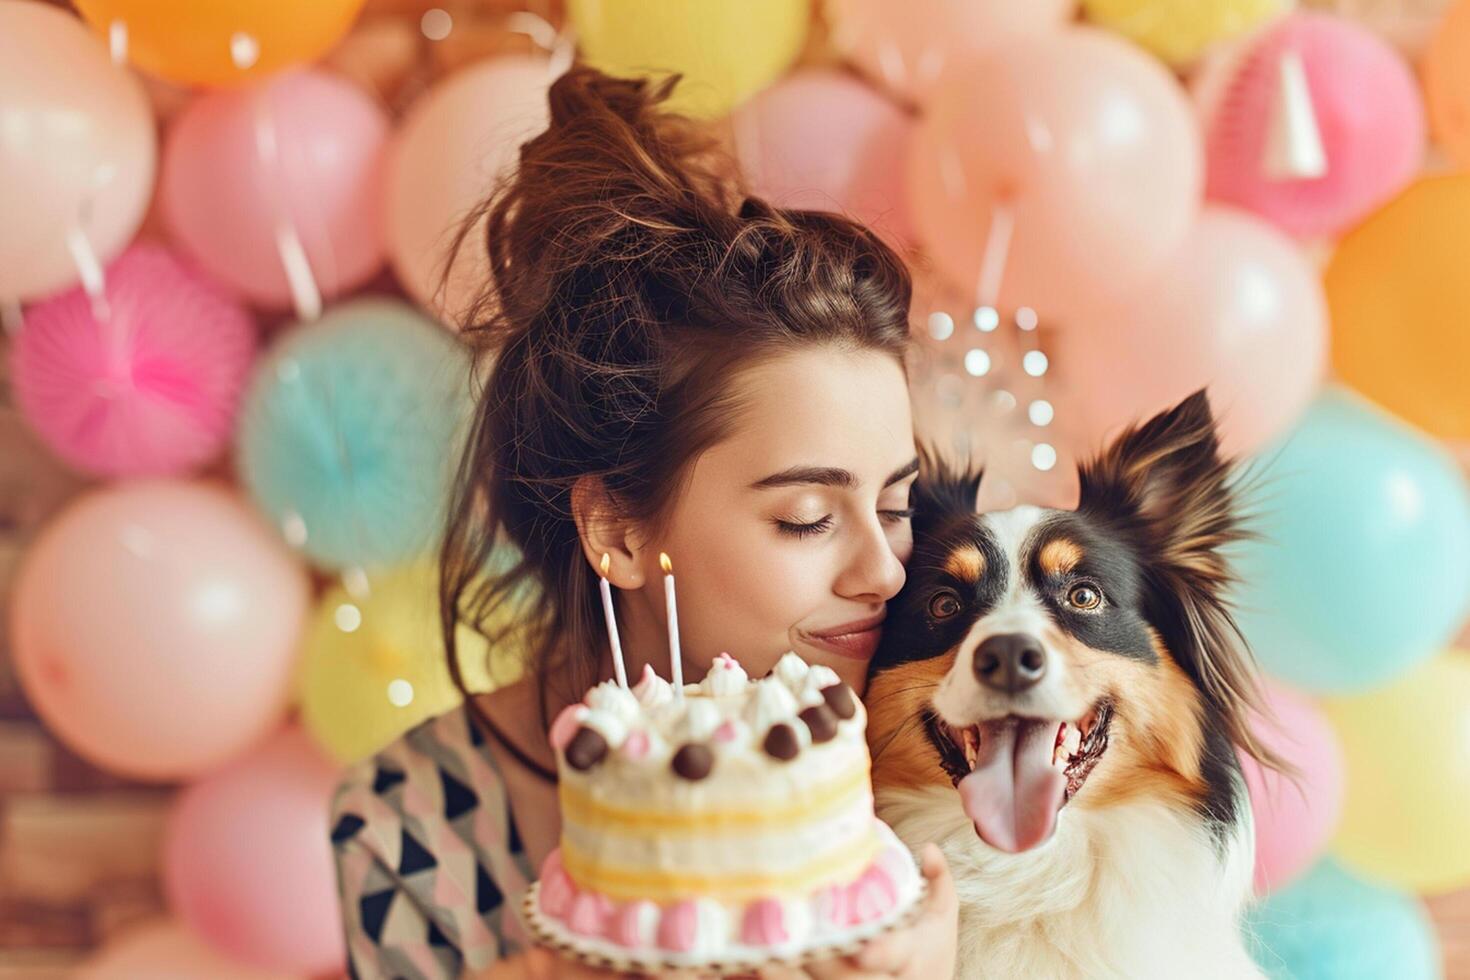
{"x":944,"y":605}
{"x":1085,"y":597}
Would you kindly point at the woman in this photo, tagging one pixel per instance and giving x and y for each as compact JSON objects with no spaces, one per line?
{"x":676,"y":369}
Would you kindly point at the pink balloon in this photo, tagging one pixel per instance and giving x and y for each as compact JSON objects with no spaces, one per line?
{"x":1087,"y":142}
{"x":823,"y":140}
{"x":153,"y":388}
{"x":248,"y":858}
{"x":909,"y":45}
{"x":164,"y":949}
{"x":303,"y":151}
{"x":452,"y":147}
{"x":1239,"y":309}
{"x":1367,"y":113}
{"x":77,"y":149}
{"x":155,"y":627}
{"x":1294,"y":820}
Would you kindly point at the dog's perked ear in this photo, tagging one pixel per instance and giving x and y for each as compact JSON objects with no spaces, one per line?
{"x":943,"y":491}
{"x":1164,"y":485}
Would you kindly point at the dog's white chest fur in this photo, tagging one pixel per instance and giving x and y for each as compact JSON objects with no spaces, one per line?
{"x":1134,"y":892}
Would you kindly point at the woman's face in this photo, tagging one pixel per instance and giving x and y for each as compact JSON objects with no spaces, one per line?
{"x":792,"y":533}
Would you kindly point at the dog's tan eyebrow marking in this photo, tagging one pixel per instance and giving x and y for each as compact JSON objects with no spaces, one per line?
{"x":1060,"y":555}
{"x":966,"y":564}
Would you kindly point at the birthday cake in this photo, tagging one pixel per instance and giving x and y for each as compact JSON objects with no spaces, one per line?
{"x":729,"y":823}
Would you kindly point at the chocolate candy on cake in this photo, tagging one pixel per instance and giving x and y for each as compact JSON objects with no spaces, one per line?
{"x":586,"y":749}
{"x":840,"y":699}
{"x":694,"y":761}
{"x":781,"y":742}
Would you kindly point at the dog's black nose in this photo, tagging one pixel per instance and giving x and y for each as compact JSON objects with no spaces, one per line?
{"x":1010,"y":662}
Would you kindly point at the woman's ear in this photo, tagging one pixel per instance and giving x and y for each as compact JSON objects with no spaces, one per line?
{"x":605,"y":532}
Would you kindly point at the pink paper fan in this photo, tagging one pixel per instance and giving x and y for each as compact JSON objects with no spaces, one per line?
{"x":1361,"y":117}
{"x":150,"y":390}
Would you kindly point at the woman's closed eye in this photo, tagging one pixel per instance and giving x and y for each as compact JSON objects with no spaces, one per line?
{"x":799,"y":529}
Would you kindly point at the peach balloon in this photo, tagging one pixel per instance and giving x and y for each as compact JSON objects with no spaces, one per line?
{"x":907,"y":46}
{"x":77,"y":150}
{"x":823,"y":140}
{"x":1446,"y":71}
{"x":1238,"y":309}
{"x":248,"y":862}
{"x":446,"y":157}
{"x":165,"y":949}
{"x":228,"y":190}
{"x":1086,"y":143}
{"x":155,"y":627}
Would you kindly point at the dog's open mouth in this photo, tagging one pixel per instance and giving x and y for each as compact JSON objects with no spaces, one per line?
{"x":1015,"y":774}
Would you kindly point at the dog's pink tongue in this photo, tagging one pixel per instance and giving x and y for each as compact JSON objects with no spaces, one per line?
{"x":1014,"y":792}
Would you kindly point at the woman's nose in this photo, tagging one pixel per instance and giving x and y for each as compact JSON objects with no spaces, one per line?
{"x":874,"y":572}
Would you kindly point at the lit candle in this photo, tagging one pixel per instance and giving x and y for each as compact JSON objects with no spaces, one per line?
{"x":676,"y":662}
{"x":612,"y":623}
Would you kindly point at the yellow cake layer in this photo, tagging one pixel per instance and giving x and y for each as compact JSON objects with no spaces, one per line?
{"x":579,"y":806}
{"x":624,"y":883}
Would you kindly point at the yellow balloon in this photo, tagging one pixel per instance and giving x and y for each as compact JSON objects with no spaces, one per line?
{"x":222,"y":42}
{"x":1179,"y":31}
{"x":727,"y":50}
{"x":375,"y":667}
{"x":1407,"y":748}
{"x":1399,"y":299}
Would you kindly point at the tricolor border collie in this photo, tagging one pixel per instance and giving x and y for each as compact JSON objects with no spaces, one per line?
{"x":1057,"y":702}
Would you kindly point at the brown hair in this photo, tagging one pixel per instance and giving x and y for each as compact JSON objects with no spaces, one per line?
{"x":630,"y":280}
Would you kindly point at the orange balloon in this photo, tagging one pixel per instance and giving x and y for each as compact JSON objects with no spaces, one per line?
{"x":222,"y":42}
{"x":1446,"y":69}
{"x":1399,"y":299}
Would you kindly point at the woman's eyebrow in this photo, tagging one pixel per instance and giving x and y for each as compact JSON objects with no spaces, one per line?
{"x":828,"y":476}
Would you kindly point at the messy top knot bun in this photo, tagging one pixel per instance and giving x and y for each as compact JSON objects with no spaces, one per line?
{"x":630,"y":280}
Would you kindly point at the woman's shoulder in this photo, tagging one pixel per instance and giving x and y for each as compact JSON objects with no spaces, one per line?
{"x":438,"y":770}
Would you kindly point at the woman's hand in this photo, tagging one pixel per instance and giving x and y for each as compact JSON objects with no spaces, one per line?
{"x":924,"y":950}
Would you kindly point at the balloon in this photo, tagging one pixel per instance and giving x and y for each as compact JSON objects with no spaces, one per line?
{"x":223,"y":42}
{"x":454,"y":144}
{"x":727,"y":50}
{"x":1408,"y":769}
{"x":823,"y":140}
{"x":1332,"y":925}
{"x":1447,"y":82}
{"x":77,"y":152}
{"x":349,"y":433}
{"x":1238,"y":308}
{"x":1365,"y":111}
{"x":908,"y":45}
{"x":152,"y":389}
{"x":155,"y":627}
{"x":1294,"y":818}
{"x":1398,"y":296}
{"x":1407,"y":26}
{"x":1181,"y":30}
{"x":1360,"y":572}
{"x":227,"y":191}
{"x":164,"y":949}
{"x":376,"y":667}
{"x":247,"y":858}
{"x":1092,"y":146}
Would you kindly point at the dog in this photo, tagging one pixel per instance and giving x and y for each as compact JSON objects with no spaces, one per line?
{"x":1057,"y":701}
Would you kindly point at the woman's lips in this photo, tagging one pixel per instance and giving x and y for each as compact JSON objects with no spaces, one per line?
{"x":857,"y":646}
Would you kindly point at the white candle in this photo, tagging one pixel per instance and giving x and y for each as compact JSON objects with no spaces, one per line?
{"x":612,"y":624}
{"x":676,"y":662}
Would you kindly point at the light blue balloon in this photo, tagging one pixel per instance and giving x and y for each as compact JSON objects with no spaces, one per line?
{"x":1364,"y":569}
{"x":1332,"y":925}
{"x":350,"y":432}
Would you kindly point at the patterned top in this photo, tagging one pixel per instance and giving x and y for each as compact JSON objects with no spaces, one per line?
{"x":430,"y":868}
